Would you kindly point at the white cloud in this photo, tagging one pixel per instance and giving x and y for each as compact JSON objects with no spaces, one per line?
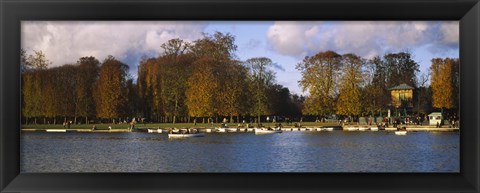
{"x":366,"y":38}
{"x":64,"y":42}
{"x":450,"y":32}
{"x":290,"y":38}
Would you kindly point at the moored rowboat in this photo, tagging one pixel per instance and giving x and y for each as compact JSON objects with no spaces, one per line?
{"x":266,"y":131}
{"x":56,"y":130}
{"x":231,"y":129}
{"x":179,"y":135}
{"x":351,"y":128}
{"x":400,"y":132}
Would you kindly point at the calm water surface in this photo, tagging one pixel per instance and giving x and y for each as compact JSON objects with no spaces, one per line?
{"x":336,"y":151}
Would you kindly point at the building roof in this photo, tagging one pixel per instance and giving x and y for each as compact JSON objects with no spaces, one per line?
{"x":402,"y":87}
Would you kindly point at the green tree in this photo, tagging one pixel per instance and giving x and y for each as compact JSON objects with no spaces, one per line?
{"x":375,"y":93}
{"x":233,"y":91}
{"x":400,"y":69}
{"x":261,"y":79}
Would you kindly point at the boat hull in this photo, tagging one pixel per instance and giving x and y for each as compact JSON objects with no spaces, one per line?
{"x":186,"y":135}
{"x":400,"y":132}
{"x":262,"y":131}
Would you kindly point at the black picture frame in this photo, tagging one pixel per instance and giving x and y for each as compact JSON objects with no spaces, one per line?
{"x":12,"y":12}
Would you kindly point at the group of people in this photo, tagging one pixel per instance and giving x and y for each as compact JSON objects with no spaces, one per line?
{"x":67,"y":124}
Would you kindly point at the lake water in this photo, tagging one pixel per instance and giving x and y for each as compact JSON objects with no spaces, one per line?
{"x":336,"y":151}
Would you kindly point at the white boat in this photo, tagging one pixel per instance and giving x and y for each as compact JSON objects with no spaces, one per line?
{"x":250,"y":129}
{"x":231,"y":129}
{"x":208,"y":130}
{"x":308,"y":129}
{"x":154,"y":130}
{"x":179,"y":135}
{"x":241,"y":130}
{"x":400,"y":132}
{"x":373,"y":128}
{"x":351,"y":129}
{"x":266,"y":131}
{"x":319,"y":129}
{"x":328,"y":129}
{"x":56,"y":130}
{"x":362,"y":129}
{"x":303,"y":129}
{"x":220,"y":130}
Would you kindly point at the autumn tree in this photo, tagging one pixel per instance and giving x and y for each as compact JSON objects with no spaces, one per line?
{"x":212,"y":54}
{"x":148,"y":88}
{"x":444,"y":83}
{"x":320,"y":75}
{"x":201,"y":88}
{"x":349,"y":99}
{"x":86,"y":76}
{"x":32,"y":67}
{"x":32,"y":95}
{"x":111,"y":97}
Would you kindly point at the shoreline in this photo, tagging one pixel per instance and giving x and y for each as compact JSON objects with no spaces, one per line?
{"x":414,"y":128}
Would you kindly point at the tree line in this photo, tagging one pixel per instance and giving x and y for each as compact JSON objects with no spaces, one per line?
{"x":204,"y":81}
{"x":352,"y":86}
{"x":189,"y":82}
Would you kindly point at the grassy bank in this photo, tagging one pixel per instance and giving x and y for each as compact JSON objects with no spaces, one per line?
{"x":180,"y":125}
{"x":155,"y":125}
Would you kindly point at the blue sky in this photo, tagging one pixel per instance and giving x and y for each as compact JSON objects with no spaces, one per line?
{"x":285,"y":42}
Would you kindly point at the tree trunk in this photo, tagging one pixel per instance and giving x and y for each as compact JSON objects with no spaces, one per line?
{"x":203,"y":120}
{"x":231,"y":118}
{"x":75,"y":120}
{"x":54,"y":120}
{"x":86,"y":120}
{"x":36,"y":120}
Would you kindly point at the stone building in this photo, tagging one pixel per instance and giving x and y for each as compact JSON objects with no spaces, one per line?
{"x":402,"y":96}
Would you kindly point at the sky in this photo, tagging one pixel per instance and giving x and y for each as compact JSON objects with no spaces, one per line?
{"x":286,"y":43}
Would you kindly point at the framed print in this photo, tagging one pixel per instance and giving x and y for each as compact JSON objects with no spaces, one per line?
{"x":244,"y":96}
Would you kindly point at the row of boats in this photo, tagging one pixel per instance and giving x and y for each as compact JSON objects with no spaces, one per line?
{"x":181,"y":133}
{"x":399,"y":131}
